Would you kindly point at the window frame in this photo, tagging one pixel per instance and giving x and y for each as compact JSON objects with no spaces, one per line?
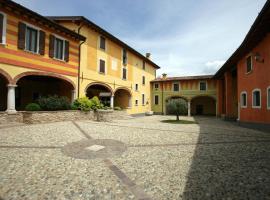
{"x":155,"y":99}
{"x":206,"y":87}
{"x":136,"y":102}
{"x":251,"y":57}
{"x":174,"y":83}
{"x":99,"y":43}
{"x":257,"y":90}
{"x":241,"y":99}
{"x":98,"y":66}
{"x":268,"y":97}
{"x":143,"y":65}
{"x":143,"y":99}
{"x":122,"y":73}
{"x":64,"y":48}
{"x":136,"y":87}
{"x":156,"y":88}
{"x":38,"y":33}
{"x":124,"y":49}
{"x":143,"y":80}
{"x":4,"y":33}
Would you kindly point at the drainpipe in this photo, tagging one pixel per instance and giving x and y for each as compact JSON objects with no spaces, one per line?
{"x":79,"y":67}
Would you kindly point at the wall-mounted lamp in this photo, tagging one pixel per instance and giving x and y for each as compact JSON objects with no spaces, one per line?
{"x":258,"y":57}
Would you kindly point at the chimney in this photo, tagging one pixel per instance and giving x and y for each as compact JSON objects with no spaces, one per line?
{"x":148,"y":55}
{"x":164,"y":76}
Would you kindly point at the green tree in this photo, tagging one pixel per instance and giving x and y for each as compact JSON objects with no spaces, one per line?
{"x":177,"y":107}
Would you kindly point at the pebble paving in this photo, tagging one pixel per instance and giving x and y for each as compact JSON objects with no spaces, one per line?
{"x":139,"y":158}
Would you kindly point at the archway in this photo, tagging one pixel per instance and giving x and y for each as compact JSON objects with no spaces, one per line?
{"x":102,"y":91}
{"x":31,"y":86}
{"x":174,"y":98}
{"x":203,"y":105}
{"x":3,"y":92}
{"x":122,"y":98}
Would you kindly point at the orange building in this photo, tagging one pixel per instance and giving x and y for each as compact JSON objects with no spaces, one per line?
{"x":244,"y":80}
{"x":37,"y":57}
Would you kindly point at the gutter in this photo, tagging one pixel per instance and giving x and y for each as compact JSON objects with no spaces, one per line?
{"x":79,"y":67}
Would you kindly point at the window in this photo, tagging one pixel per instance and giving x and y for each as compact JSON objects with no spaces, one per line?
{"x":143,"y":99}
{"x":268,"y":98}
{"x":124,"y":73}
{"x":249,"y":64}
{"x":156,"y":100}
{"x":124,"y":57}
{"x":102,"y":43}
{"x":59,"y":48}
{"x":143,"y":80}
{"x":256,"y":98}
{"x":31,"y":39}
{"x":136,"y":102}
{"x":143,"y":65}
{"x":102,"y":66}
{"x":3,"y":25}
{"x":203,"y":86}
{"x":156,"y":86}
{"x":243,"y":100}
{"x":176,"y":87}
{"x":136,"y":87}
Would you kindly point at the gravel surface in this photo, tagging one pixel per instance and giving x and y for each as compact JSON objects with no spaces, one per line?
{"x":209,"y":160}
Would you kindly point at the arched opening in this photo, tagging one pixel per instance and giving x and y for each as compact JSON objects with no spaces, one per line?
{"x":203,"y":105}
{"x":174,"y":98}
{"x":122,"y":98}
{"x":3,"y":92}
{"x":31,"y":87}
{"x":102,"y":91}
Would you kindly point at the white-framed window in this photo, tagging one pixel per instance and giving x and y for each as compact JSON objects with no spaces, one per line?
{"x":243,"y":99}
{"x":102,"y":42}
{"x":156,"y":100}
{"x":102,"y":66}
{"x":176,"y":87}
{"x":268,"y":98}
{"x":3,"y":27}
{"x":136,"y":102}
{"x":136,"y":87}
{"x":249,"y":64}
{"x":256,"y":98}
{"x":59,"y":48}
{"x":156,"y":86}
{"x":124,"y":73}
{"x":143,"y":99}
{"x":31,"y":38}
{"x":202,"y":85}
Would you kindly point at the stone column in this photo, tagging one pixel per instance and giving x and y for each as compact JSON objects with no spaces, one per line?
{"x":130,"y":102}
{"x":73,"y":95}
{"x":189,"y":110}
{"x":112,"y":101}
{"x":11,"y":99}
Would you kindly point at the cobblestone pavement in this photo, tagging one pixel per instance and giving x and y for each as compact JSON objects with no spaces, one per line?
{"x":139,"y":158}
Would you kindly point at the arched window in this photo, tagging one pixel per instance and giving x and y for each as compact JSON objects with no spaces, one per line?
{"x":3,"y":25}
{"x":256,"y":98}
{"x":243,"y":99}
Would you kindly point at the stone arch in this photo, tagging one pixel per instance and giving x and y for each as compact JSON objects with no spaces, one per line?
{"x":5,"y":79}
{"x":99,"y":83}
{"x":35,"y":73}
{"x":122,"y":97}
{"x":6,"y":76}
{"x":203,"y":105}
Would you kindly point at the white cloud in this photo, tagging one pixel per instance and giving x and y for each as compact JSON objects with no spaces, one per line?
{"x":212,"y":66}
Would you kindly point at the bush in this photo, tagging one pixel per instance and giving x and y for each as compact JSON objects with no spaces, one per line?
{"x":74,"y":107}
{"x":117,"y":108}
{"x":96,"y":104}
{"x":177,"y":107}
{"x":83,"y":104}
{"x":54,"y":103}
{"x":32,"y":107}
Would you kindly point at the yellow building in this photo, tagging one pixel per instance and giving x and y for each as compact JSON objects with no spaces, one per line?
{"x":37,"y":57}
{"x":111,"y":69}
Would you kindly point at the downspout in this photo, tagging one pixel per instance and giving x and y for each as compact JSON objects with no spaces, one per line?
{"x":79,"y":67}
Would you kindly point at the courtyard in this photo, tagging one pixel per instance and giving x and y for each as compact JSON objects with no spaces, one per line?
{"x":138,"y":158}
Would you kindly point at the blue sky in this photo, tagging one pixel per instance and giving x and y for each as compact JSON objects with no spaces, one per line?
{"x":184,"y":37}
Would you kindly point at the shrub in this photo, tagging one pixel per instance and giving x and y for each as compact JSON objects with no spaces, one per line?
{"x":74,"y":107}
{"x":54,"y":103}
{"x":32,"y":107}
{"x":96,"y":104}
{"x":177,"y":107}
{"x":117,"y":108}
{"x":83,"y":104}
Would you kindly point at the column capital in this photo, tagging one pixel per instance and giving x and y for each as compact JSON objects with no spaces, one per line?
{"x":12,"y":85}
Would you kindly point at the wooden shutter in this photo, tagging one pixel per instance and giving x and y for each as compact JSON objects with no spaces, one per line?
{"x":1,"y":27}
{"x":51,"y":46}
{"x":42,"y":37}
{"x":102,"y":66}
{"x":21,"y":35}
{"x":66,"y":58}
